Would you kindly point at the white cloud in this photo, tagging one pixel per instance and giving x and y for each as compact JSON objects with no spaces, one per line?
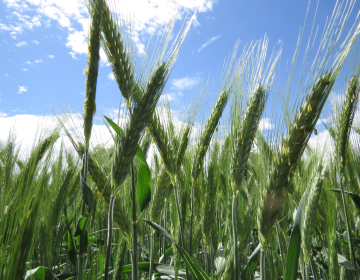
{"x":4,"y":27}
{"x":22,"y":89}
{"x":21,"y":44}
{"x":38,"y":60}
{"x":36,"y":42}
{"x":51,"y":56}
{"x":185,"y":83}
{"x":111,"y":76}
{"x":69,"y":13}
{"x":208,"y":42}
{"x":77,"y":42}
{"x":27,"y":129}
{"x":321,"y":141}
{"x":2,"y":114}
{"x":28,"y":62}
{"x":265,"y":124}
{"x":73,"y":55}
{"x":280,"y":42}
{"x":168,"y":97}
{"x":24,"y":69}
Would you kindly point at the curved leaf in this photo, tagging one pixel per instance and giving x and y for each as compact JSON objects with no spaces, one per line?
{"x":143,"y":190}
{"x":353,"y":196}
{"x":292,"y":259}
{"x":252,"y":262}
{"x":41,"y":272}
{"x":194,"y":268}
{"x":87,"y":194}
{"x":117,"y":128}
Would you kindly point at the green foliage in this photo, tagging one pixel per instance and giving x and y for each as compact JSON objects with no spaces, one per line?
{"x":210,"y":201}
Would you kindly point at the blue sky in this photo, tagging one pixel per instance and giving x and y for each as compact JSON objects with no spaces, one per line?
{"x":43,"y":47}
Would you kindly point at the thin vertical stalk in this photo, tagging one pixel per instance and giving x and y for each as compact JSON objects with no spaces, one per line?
{"x":134,"y":260}
{"x":281,"y":252}
{"x":164,"y":260}
{"x":180,"y":223}
{"x":191,"y":218}
{"x":306,"y":270}
{"x":85,"y":163}
{"x":84,"y":175}
{"x":179,"y":216}
{"x":151,"y":254}
{"x":219,"y":215}
{"x":109,"y":236}
{"x":348,"y":228}
{"x":236,"y":266}
{"x":262,"y":265}
{"x":160,"y":238}
{"x":313,"y":269}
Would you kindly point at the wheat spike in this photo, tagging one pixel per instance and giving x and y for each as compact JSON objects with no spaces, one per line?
{"x":292,"y":149}
{"x":184,"y":142}
{"x":115,"y":49}
{"x":162,"y":191}
{"x":92,"y":68}
{"x":162,"y":142}
{"x":127,"y":146}
{"x":345,"y":121}
{"x":310,"y":214}
{"x":209,"y":205}
{"x":246,"y":135}
{"x":27,"y":174}
{"x":206,"y":135}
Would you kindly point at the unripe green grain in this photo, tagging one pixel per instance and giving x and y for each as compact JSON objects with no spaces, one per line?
{"x":92,"y":68}
{"x":209,"y":211}
{"x":291,"y":151}
{"x":162,"y":191}
{"x":114,"y":47}
{"x":308,"y":226}
{"x":345,"y":121}
{"x":206,"y":135}
{"x":127,"y":146}
{"x":162,"y":142}
{"x":246,"y":134}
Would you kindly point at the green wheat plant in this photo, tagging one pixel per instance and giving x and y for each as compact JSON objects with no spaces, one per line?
{"x":227,"y":191}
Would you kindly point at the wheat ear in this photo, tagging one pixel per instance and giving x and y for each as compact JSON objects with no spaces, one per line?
{"x":113,"y":45}
{"x":209,"y":214}
{"x":162,"y":191}
{"x":142,"y":111}
{"x":341,"y":144}
{"x":162,"y":142}
{"x":206,"y":135}
{"x":92,"y":68}
{"x":310,"y":214}
{"x":345,"y":121}
{"x":292,"y":149}
{"x":184,"y":142}
{"x":27,"y":174}
{"x":246,"y":135}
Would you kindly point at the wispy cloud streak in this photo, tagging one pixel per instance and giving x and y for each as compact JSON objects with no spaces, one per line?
{"x":208,"y":42}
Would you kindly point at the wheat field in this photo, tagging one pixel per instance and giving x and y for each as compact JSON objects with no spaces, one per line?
{"x":212,"y":198}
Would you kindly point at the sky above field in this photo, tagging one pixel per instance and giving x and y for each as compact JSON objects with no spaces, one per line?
{"x":44,"y":50}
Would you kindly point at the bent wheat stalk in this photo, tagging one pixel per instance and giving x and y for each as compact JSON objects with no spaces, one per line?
{"x":341,"y":144}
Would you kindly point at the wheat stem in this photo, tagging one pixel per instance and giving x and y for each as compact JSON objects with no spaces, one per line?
{"x":234,"y":219}
{"x":109,"y":237}
{"x":134,"y":226}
